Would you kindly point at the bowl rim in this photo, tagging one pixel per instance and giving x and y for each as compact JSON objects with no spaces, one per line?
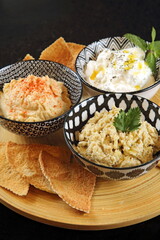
{"x":157,"y":155}
{"x":51,"y":119}
{"x":101,"y":90}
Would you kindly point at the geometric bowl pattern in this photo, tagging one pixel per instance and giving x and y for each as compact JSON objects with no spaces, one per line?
{"x":91,"y":52}
{"x":82,"y":112}
{"x":40,"y":68}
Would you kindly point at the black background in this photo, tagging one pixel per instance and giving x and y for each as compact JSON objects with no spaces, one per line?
{"x":28,"y":26}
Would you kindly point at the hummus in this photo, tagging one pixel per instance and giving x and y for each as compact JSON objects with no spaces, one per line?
{"x":34,"y":99}
{"x":101,"y":143}
{"x":119,"y":70}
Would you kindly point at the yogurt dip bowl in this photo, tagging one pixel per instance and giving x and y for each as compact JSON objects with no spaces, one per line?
{"x":82,"y":112}
{"x":40,"y":68}
{"x":92,"y":51}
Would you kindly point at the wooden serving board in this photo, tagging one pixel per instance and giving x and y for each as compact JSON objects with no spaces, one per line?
{"x":114,"y":204}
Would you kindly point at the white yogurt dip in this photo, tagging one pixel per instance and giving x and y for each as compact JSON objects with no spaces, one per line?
{"x":119,"y":70}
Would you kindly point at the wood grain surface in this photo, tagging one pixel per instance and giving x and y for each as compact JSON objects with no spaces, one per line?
{"x":114,"y":204}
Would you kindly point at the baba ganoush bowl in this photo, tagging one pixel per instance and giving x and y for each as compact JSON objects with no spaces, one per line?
{"x":82,"y":112}
{"x":40,"y":68}
{"x":92,"y":51}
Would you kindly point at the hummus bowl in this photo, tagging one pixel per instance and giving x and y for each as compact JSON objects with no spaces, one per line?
{"x":40,"y":68}
{"x":82,"y":112}
{"x":92,"y":51}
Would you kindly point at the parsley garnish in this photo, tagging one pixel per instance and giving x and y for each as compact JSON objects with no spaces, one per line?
{"x":152,"y":49}
{"x":127,"y":122}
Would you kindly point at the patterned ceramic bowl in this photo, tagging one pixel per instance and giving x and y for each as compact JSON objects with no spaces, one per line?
{"x":40,"y":68}
{"x":116,"y":43}
{"x":83,"y":111}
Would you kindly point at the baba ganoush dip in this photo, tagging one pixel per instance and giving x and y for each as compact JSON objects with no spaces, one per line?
{"x":100,"y":142}
{"x":119,"y":70}
{"x":34,"y":99}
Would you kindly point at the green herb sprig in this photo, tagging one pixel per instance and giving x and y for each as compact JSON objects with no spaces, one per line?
{"x":128,"y":121}
{"x":152,"y":49}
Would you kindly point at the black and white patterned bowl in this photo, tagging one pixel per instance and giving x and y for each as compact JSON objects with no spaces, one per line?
{"x":83,"y":111}
{"x":91,"y":52}
{"x":40,"y":68}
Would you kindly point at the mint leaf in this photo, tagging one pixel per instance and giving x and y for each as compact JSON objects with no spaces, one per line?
{"x":152,"y":49}
{"x":151,"y":61}
{"x":153,"y":34}
{"x":137,"y":41}
{"x":155,"y":46}
{"x":127,"y":122}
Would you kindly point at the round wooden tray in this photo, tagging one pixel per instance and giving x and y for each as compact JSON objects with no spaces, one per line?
{"x":114,"y":203}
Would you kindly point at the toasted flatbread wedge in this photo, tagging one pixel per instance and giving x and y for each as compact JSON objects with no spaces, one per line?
{"x":28,"y":57}
{"x":68,"y":179}
{"x":24,"y":159}
{"x":9,"y":177}
{"x":75,"y":50}
{"x":58,"y":52}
